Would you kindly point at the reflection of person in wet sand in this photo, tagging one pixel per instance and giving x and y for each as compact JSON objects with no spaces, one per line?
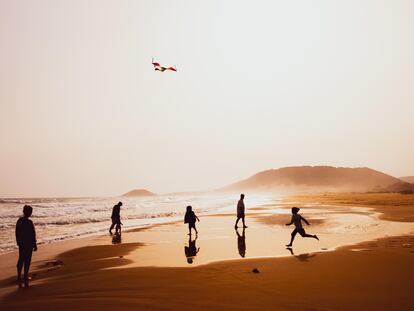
{"x":241,"y":243}
{"x":297,"y":220}
{"x":26,"y":240}
{"x":191,"y":250}
{"x":116,"y":238}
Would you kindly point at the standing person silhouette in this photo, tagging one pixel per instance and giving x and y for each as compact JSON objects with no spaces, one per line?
{"x":240,"y":212}
{"x":190,"y":218}
{"x":297,"y":220}
{"x":26,"y":240}
{"x":116,"y":218}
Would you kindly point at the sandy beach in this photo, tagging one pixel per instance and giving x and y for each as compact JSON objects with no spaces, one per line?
{"x":293,"y":119}
{"x":148,"y":268}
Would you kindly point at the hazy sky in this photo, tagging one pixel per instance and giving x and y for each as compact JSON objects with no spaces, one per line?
{"x":260,"y":84}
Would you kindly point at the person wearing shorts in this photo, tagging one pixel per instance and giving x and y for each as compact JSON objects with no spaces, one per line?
{"x":297,"y":221}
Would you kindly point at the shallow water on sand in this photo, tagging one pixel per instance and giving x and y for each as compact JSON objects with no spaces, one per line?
{"x":266,"y":236}
{"x":58,"y":219}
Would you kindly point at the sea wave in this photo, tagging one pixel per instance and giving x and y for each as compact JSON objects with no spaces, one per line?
{"x":59,"y":219}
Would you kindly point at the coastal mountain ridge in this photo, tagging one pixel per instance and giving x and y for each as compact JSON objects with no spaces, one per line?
{"x":315,"y":178}
{"x":400,"y":187}
{"x":139,"y":193}
{"x":409,"y":179}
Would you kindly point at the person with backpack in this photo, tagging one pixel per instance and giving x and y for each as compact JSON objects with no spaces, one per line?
{"x":190,"y":218}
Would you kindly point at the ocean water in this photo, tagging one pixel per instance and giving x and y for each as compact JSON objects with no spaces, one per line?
{"x":58,"y":219}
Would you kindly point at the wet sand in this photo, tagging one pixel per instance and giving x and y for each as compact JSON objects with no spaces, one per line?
{"x":148,"y":270}
{"x":391,"y":206}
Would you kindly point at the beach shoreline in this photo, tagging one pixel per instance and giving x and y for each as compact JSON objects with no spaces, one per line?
{"x":94,"y":272}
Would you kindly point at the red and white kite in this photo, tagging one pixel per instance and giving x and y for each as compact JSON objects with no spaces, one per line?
{"x":158,"y":67}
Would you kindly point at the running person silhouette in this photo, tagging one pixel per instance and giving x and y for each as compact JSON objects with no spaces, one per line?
{"x":297,"y":220}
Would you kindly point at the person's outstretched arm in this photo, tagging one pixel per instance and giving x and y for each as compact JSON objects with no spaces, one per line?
{"x":291,"y":222}
{"x":307,"y":222}
{"x":197,"y":218}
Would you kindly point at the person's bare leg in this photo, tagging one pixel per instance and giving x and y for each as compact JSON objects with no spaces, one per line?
{"x":244,"y":225}
{"x":311,"y":236}
{"x":237,"y":221}
{"x":292,"y":238}
{"x":27,"y":262}
{"x":19,"y":270}
{"x":305,"y":235}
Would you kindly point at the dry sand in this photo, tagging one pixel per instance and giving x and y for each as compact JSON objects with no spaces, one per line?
{"x":372,"y":275}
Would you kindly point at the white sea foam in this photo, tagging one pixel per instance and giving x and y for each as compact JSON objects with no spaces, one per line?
{"x":59,"y":219}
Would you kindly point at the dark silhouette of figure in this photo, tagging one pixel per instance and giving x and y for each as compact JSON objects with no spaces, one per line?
{"x":241,"y":243}
{"x":240,"y":211}
{"x":297,"y":220}
{"x":26,"y":240}
{"x":191,"y":250}
{"x":116,"y":218}
{"x":116,"y":238}
{"x":190,"y":218}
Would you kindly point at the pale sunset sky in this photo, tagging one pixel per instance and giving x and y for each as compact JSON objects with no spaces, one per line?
{"x":260,"y":85}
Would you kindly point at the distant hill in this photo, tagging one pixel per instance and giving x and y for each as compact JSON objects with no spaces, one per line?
{"x":409,"y":179}
{"x":139,"y":193}
{"x":315,"y":178}
{"x":400,"y":187}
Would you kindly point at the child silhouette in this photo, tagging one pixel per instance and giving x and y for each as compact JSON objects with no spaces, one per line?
{"x":190,"y":218}
{"x":297,"y":220}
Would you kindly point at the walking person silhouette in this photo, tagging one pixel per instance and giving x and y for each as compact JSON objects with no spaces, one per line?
{"x":240,"y":212}
{"x":297,"y":220}
{"x":116,"y":218}
{"x":26,"y":240}
{"x":190,"y":218}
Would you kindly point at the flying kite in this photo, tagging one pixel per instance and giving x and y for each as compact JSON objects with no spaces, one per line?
{"x":158,"y":67}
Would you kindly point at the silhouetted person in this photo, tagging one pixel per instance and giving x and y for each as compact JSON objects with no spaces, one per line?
{"x":116,"y":218}
{"x":26,"y":240}
{"x":190,"y":218}
{"x":240,"y":211}
{"x":297,"y":220}
{"x":241,"y":243}
{"x":191,"y":250}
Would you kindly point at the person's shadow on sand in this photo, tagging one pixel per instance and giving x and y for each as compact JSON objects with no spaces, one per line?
{"x":241,"y":242}
{"x":191,"y":250}
{"x":116,"y":238}
{"x":301,"y":257}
